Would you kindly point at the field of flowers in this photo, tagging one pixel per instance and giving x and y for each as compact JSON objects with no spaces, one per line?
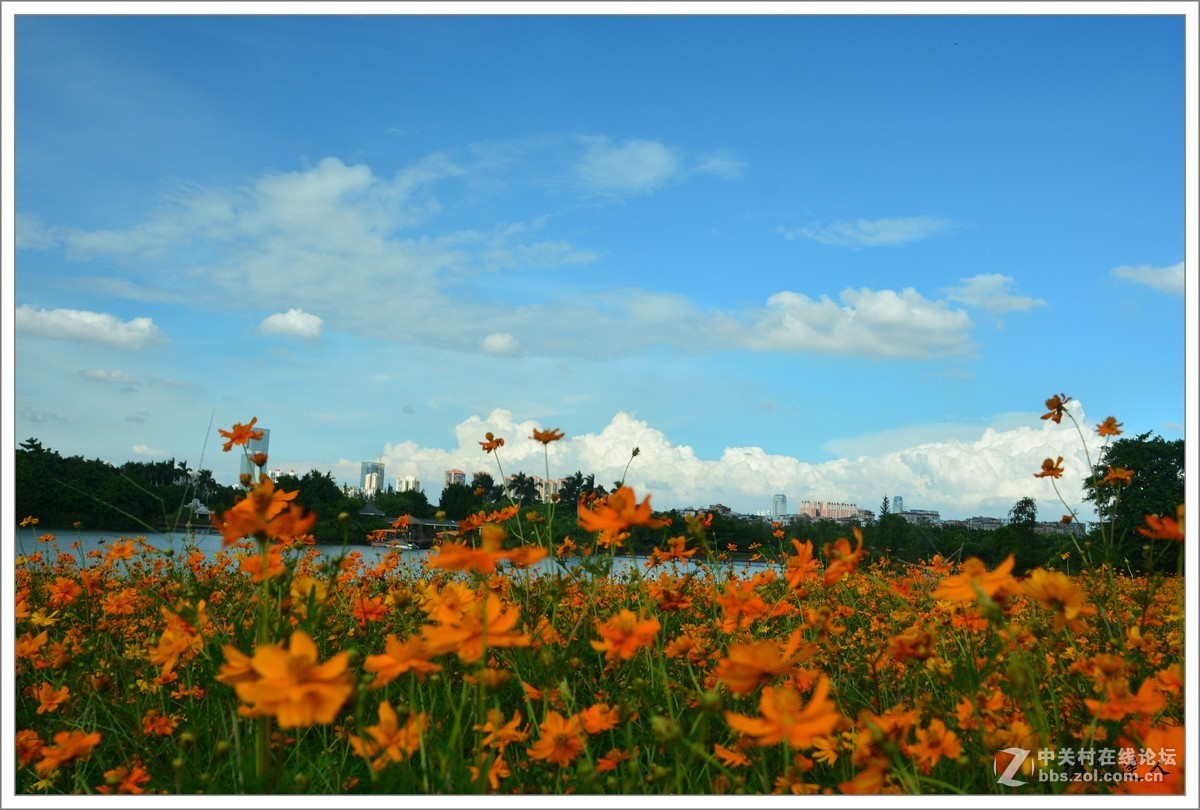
{"x":267,"y":668}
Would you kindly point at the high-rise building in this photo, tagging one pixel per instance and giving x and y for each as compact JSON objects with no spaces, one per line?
{"x":371,"y":477}
{"x":408,"y":483}
{"x":779,"y":505}
{"x":454,"y":477}
{"x":897,"y":503}
{"x":252,"y":447}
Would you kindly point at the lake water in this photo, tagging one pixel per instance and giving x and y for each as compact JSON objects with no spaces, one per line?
{"x":26,"y":542}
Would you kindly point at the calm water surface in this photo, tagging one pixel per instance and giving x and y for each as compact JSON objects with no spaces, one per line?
{"x":27,"y":542}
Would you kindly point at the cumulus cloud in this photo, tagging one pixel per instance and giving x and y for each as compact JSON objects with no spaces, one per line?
{"x":872,"y":323}
{"x":960,"y":476}
{"x":499,"y":343}
{"x":295,"y":323}
{"x":103,"y":375}
{"x":87,"y":327}
{"x":990,"y":292}
{"x":871,"y":232}
{"x":1163,"y":279}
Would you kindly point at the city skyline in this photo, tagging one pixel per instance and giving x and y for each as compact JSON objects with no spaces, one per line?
{"x":830,"y":256}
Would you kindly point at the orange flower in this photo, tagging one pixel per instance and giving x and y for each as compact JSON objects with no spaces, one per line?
{"x":961,"y":587}
{"x":388,"y":741}
{"x":1164,"y":528}
{"x":598,"y":717}
{"x":267,"y":566}
{"x":1120,"y":475}
{"x":49,"y":698}
{"x":729,"y":757}
{"x":293,"y":687}
{"x":400,"y":657}
{"x":368,"y":610}
{"x":933,"y":743}
{"x":402,"y":522}
{"x":741,"y":604}
{"x":1050,"y":468}
{"x":492,"y":443}
{"x":126,"y":779}
{"x":29,"y":746}
{"x":624,"y":634}
{"x":546,"y":436}
{"x":1156,"y":739}
{"x":241,"y":434}
{"x":489,"y":624}
{"x":559,"y":740}
{"x":1109,"y":427}
{"x":64,"y":591}
{"x":157,"y":724}
{"x":802,"y":567}
{"x":264,"y":513}
{"x":238,"y":667}
{"x":498,"y":734}
{"x":1056,"y":406}
{"x":784,"y":716}
{"x":1055,"y":591}
{"x":842,"y":559}
{"x":68,"y":747}
{"x":748,"y":664}
{"x":616,"y":513}
{"x":120,"y":550}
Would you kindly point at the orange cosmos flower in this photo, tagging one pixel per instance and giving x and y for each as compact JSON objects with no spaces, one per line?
{"x":155,"y":724}
{"x":64,"y":591}
{"x":486,"y":624}
{"x":368,"y":610}
{"x":616,"y":513}
{"x":260,"y":567}
{"x":293,"y":687}
{"x":241,"y":434}
{"x":1158,"y":740}
{"x":125,"y":780}
{"x":399,"y":657}
{"x":492,"y":443}
{"x":598,"y":717}
{"x":748,"y":664}
{"x":1109,"y":427}
{"x":560,"y":740}
{"x":264,"y":513}
{"x":994,"y":584}
{"x":546,"y":436}
{"x":1055,"y":591}
{"x":389,"y":741}
{"x":933,"y":743}
{"x":1052,"y":469}
{"x":68,"y":747}
{"x":842,"y":560}
{"x":624,"y":634}
{"x":120,"y":550}
{"x":1164,"y":528}
{"x":1056,"y":406}
{"x":729,"y":757}
{"x":785,"y":717}
{"x":29,"y":746}
{"x":238,"y":667}
{"x":802,"y":567}
{"x":1120,"y":475}
{"x":498,"y":734}
{"x":49,"y":698}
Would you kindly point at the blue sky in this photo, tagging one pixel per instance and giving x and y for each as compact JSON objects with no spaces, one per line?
{"x":836,"y":257}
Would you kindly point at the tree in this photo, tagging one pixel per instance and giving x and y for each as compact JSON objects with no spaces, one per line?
{"x":1024,"y":512}
{"x":522,"y":489}
{"x":457,"y":501}
{"x":1155,"y":488}
{"x":884,"y":508}
{"x":490,"y":491}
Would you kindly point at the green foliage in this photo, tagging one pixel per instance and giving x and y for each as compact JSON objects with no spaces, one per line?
{"x":458,"y":501}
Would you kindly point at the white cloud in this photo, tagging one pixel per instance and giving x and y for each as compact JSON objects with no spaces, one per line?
{"x":871,"y":323}
{"x":294,"y":322}
{"x":626,"y":167}
{"x":1163,"y":279}
{"x":145,"y":450}
{"x":963,"y":475}
{"x":102,"y":375}
{"x":990,"y":292}
{"x":499,"y":343}
{"x":871,"y":232}
{"x":31,"y":233}
{"x":87,"y":327}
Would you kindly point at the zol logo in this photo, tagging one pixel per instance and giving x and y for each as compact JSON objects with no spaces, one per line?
{"x":1014,"y":765}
